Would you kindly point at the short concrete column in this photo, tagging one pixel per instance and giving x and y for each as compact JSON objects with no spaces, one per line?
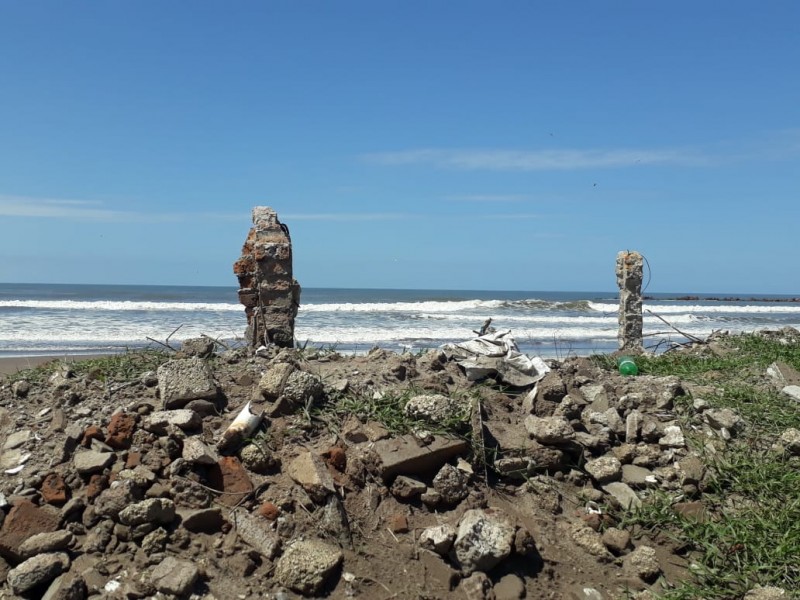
{"x":629,"y":281}
{"x":269,"y":293}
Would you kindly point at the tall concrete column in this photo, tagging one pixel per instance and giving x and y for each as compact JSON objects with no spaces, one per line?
{"x":629,"y":281}
{"x":269,"y":293}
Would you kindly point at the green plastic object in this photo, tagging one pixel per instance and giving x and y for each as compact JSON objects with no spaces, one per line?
{"x":627,"y":366}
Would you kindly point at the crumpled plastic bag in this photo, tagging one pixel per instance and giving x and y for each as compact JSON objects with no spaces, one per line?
{"x":497,"y":355}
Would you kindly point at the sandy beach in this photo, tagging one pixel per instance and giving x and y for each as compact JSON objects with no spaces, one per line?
{"x":12,"y":364}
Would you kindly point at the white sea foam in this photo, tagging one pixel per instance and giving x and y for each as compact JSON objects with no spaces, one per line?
{"x":696,"y":308}
{"x":366,"y":307}
{"x":116,"y":306}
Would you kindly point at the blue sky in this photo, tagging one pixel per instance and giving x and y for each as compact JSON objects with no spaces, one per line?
{"x":465,"y":145}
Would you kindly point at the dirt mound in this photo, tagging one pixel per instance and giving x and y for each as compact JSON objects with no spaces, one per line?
{"x":374,"y":476}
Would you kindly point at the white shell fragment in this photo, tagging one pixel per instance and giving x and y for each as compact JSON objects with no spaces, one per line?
{"x":243,"y":426}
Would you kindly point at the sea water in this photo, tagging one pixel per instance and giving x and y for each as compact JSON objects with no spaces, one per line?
{"x":40,"y":319}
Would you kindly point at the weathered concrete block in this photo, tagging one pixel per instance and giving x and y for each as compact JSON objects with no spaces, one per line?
{"x":183,"y":380}
{"x":267,"y":289}
{"x":405,"y":455}
{"x":629,"y":280}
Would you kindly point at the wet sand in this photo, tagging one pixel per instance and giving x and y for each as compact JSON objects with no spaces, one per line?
{"x":12,"y":364}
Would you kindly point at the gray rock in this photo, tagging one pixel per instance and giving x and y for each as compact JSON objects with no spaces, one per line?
{"x":20,"y":388}
{"x":301,"y":388}
{"x":183,"y":380}
{"x":549,"y":430}
{"x":154,"y":510}
{"x":155,"y":541}
{"x":516,"y":467}
{"x":691,"y":469}
{"x":623,"y":494}
{"x":204,"y":520}
{"x":615,"y":422}
{"x":604,"y":469}
{"x":436,"y":408}
{"x":117,"y":497}
{"x":790,"y":441}
{"x":17,"y":439}
{"x":587,"y":538}
{"x":37,"y":571}
{"x":202,"y":347}
{"x":633,"y":425}
{"x":160,"y":421}
{"x":42,"y":543}
{"x":477,"y":586}
{"x":306,"y":566}
{"x":509,"y":587}
{"x":404,"y":455}
{"x":174,"y":576}
{"x":596,"y":394}
{"x":334,"y":521}
{"x":551,"y":388}
{"x":643,"y":563}
{"x":723,"y":418}
{"x":311,"y":472}
{"x":451,"y":483}
{"x":484,"y":538}
{"x":197,"y":453}
{"x":616,"y":540}
{"x":439,"y":539}
{"x":766,"y":593}
{"x":258,"y":458}
{"x":585,"y":592}
{"x":793,"y":391}
{"x":406,"y":488}
{"x":149,"y":379}
{"x":272,"y":382}
{"x":89,"y":461}
{"x":256,"y":532}
{"x":672,"y":438}
{"x":69,"y":586}
{"x":638,"y":477}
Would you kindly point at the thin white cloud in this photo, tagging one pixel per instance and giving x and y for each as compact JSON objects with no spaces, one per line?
{"x":538,"y":160}
{"x":79,"y":210}
{"x":50,"y":208}
{"x":91,"y":210}
{"x":488,"y":198}
{"x":347,"y":217}
{"x":512,"y":216}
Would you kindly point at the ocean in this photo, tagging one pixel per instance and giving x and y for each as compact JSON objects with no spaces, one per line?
{"x":40,"y":319}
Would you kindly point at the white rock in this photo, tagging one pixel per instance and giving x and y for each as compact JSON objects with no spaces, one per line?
{"x":484,"y":538}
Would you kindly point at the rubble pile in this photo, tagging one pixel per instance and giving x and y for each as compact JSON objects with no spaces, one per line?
{"x":138,"y":489}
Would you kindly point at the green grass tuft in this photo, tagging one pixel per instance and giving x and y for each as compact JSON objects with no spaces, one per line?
{"x":751,"y":535}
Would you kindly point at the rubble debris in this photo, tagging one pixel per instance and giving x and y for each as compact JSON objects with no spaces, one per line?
{"x":317,"y":491}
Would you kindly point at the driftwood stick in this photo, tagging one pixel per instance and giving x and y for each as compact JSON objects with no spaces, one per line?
{"x":688,"y":336}
{"x":167,"y":346}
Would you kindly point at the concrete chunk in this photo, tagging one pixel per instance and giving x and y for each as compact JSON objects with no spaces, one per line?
{"x":405,"y":455}
{"x":183,"y":380}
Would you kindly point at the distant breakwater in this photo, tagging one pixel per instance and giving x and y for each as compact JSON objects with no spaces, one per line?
{"x":722,"y":299}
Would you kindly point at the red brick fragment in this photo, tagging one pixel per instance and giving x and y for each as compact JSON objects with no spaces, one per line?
{"x":54,"y":490}
{"x":398,"y":523}
{"x":97,"y":484}
{"x":133,"y":460}
{"x":120,"y":430}
{"x":24,"y":520}
{"x":269,"y":511}
{"x":93,"y":432}
{"x":230,"y":476}
{"x":336,"y":458}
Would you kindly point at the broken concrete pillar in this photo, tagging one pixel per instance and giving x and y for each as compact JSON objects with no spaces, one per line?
{"x":629,"y":281}
{"x":269,"y":293}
